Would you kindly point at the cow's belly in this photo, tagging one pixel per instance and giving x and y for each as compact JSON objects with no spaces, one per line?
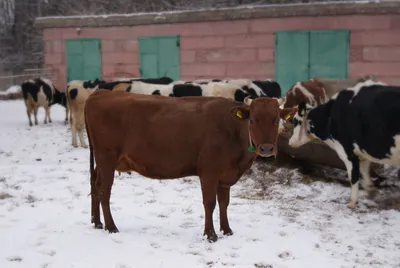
{"x":392,"y":154}
{"x":159,"y":164}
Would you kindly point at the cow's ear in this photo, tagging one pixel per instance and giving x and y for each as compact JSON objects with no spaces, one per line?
{"x":302,"y":108}
{"x":288,"y":113}
{"x":240,"y":113}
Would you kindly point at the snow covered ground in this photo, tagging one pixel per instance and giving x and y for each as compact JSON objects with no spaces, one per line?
{"x":278,"y":220}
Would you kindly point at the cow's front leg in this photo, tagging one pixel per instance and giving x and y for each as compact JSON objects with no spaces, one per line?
{"x":47,"y":114}
{"x":354,"y":177}
{"x":209,"y":192}
{"x":66,"y":114}
{"x":223,"y":202}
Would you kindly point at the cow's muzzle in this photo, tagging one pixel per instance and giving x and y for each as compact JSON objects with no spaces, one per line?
{"x":266,"y":150}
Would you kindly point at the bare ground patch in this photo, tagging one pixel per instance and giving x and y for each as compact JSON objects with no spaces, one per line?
{"x":4,"y":196}
{"x":267,"y":179}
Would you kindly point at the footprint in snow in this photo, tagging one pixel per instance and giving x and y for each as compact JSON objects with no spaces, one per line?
{"x":285,"y":255}
{"x":15,"y":258}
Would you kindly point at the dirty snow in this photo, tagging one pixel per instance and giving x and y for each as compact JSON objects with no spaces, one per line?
{"x":12,"y":89}
{"x":277,"y":220}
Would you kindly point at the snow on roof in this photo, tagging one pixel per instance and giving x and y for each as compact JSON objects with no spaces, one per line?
{"x":161,"y":13}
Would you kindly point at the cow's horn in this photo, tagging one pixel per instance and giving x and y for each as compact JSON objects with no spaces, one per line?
{"x":281,"y":101}
{"x":247,"y":100}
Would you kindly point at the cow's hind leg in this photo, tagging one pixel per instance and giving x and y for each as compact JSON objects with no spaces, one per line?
{"x":223,"y":202}
{"x":80,"y":129}
{"x":354,"y":177}
{"x":29,"y":112}
{"x":209,"y":192}
{"x":95,"y":202}
{"x":105,"y":185}
{"x":35,"y":110}
{"x":364,"y":170}
{"x":73,"y":132}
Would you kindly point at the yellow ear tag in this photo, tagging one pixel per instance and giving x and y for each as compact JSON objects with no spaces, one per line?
{"x":239,"y":114}
{"x":302,"y":112}
{"x":287,"y":116}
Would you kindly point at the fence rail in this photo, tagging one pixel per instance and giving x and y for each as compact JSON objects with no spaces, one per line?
{"x":7,"y":81}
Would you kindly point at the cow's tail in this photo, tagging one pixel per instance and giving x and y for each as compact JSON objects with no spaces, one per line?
{"x":91,"y":157}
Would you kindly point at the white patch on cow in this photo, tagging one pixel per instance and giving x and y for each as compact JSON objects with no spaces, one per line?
{"x":140,"y":87}
{"x":356,"y":88}
{"x":49,"y":83}
{"x":245,"y":82}
{"x":305,"y":92}
{"x":219,"y":89}
{"x":335,"y":96}
{"x":364,"y":170}
{"x":179,"y":82}
{"x":281,"y":127}
{"x":392,"y":158}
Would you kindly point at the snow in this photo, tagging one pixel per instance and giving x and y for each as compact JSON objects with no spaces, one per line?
{"x":278,"y":221}
{"x":12,"y":89}
{"x":160,"y":14}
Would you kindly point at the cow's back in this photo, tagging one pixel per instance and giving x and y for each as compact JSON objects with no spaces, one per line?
{"x":163,"y":137}
{"x":333,"y":86}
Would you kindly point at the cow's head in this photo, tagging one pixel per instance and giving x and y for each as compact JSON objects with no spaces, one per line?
{"x":311,"y":92}
{"x":311,"y":123}
{"x":59,"y":98}
{"x":263,"y":116}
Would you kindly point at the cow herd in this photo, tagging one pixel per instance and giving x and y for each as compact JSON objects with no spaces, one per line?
{"x":215,"y":128}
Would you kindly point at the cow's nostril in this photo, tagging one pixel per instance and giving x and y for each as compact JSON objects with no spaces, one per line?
{"x":262,"y":149}
{"x":271,"y":149}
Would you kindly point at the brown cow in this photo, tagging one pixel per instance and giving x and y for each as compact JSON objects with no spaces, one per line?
{"x":218,"y":141}
{"x":317,"y":91}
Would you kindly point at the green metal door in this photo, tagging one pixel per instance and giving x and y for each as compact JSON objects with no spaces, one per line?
{"x":301,"y":55}
{"x":291,"y":58}
{"x":159,"y":56}
{"x":329,"y":54}
{"x":83,"y":58}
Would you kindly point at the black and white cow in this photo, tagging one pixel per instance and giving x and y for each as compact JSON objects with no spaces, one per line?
{"x":235,"y":91}
{"x":77,"y":92}
{"x":360,"y":123}
{"x":262,"y":88}
{"x":40,"y":92}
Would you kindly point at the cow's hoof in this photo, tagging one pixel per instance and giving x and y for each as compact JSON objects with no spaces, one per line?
{"x":212,"y":237}
{"x":98,"y":225}
{"x":84,"y":146}
{"x":112,"y":230}
{"x":378,"y":181}
{"x":45,"y":122}
{"x":30,"y":124}
{"x":36,"y":123}
{"x":75,"y":145}
{"x":227,"y":232}
{"x":351,"y":205}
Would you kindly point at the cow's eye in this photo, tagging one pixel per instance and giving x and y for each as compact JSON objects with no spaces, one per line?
{"x":277,"y":122}
{"x":251,"y":121}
